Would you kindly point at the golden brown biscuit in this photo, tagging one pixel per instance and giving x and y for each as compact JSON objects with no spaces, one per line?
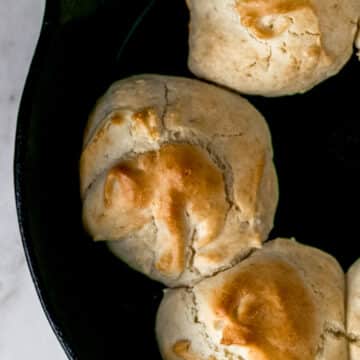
{"x":284,"y":302}
{"x":178,"y":174}
{"x":271,"y":47}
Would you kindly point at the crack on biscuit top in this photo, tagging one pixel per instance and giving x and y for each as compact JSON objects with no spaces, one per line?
{"x":166,"y":106}
{"x":330,"y":330}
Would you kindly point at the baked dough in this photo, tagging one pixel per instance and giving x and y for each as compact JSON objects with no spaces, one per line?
{"x":353,"y":310}
{"x":357,"y":43}
{"x":284,"y":302}
{"x":178,"y":176}
{"x":271,"y":47}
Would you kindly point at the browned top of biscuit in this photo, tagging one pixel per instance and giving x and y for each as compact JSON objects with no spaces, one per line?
{"x":252,"y":12}
{"x":266,"y":307}
{"x":180,"y":185}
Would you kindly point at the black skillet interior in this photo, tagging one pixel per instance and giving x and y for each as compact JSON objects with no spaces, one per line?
{"x":99,"y":308}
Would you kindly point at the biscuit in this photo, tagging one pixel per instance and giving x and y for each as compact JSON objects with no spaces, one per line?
{"x":177,"y":175}
{"x":271,"y":47}
{"x":285,"y":301}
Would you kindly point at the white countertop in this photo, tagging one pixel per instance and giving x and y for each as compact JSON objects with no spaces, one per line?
{"x":24,"y":331}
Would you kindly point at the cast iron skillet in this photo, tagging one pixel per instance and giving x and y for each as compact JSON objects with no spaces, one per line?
{"x":97,"y":306}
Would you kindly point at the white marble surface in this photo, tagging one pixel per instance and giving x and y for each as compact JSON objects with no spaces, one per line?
{"x":24,"y":331}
